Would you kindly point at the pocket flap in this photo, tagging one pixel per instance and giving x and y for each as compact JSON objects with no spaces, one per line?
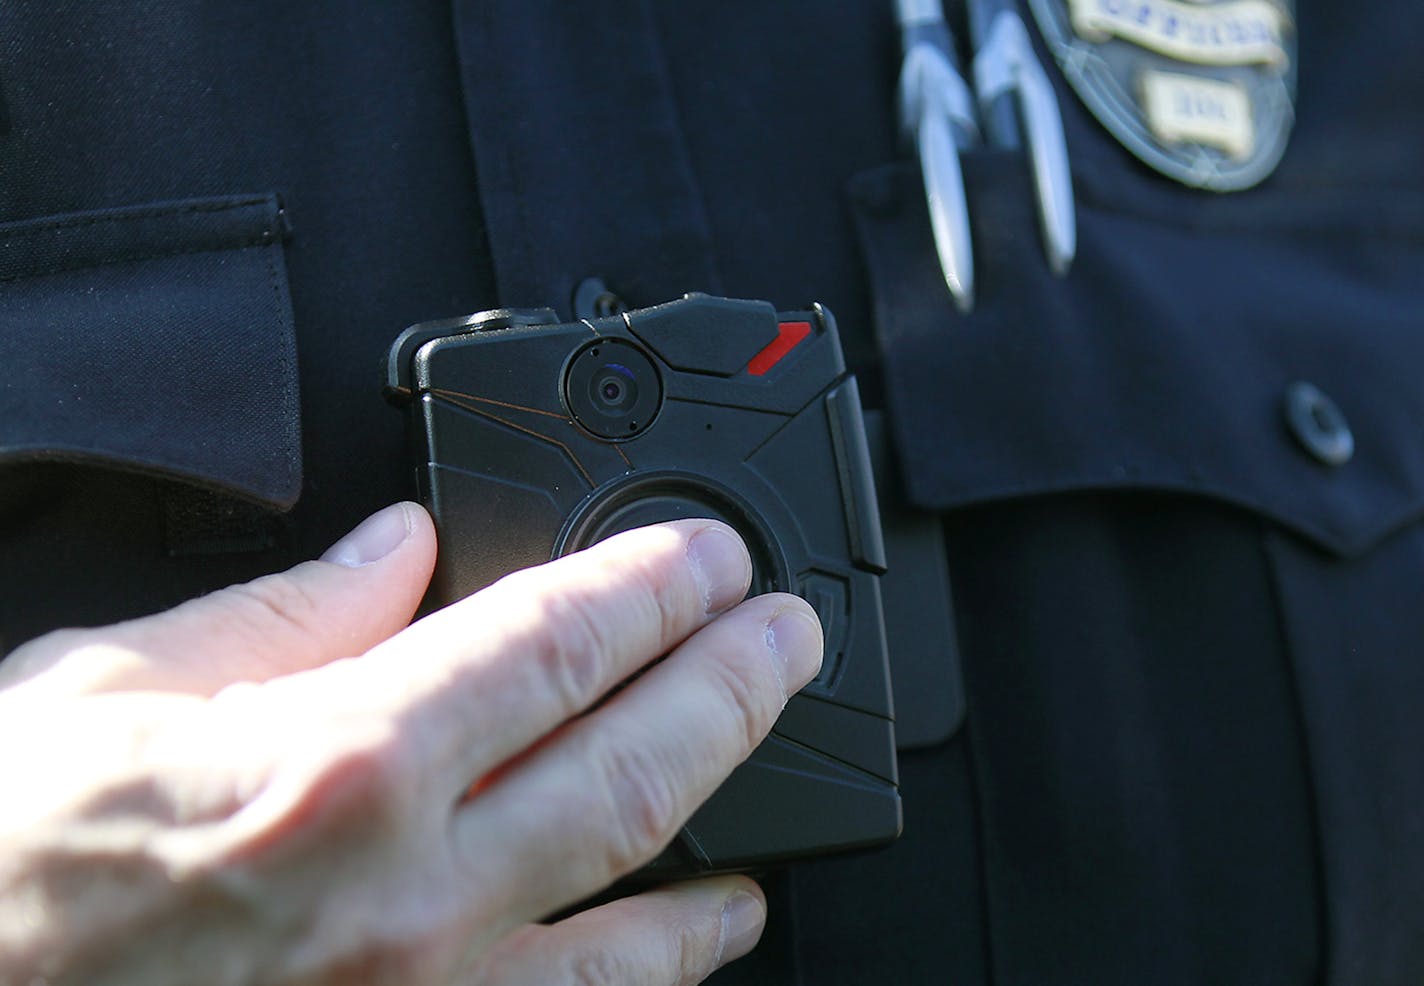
{"x":1165,"y":359}
{"x":157,"y":339}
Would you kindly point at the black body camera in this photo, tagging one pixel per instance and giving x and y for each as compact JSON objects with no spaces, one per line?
{"x":535,"y":439}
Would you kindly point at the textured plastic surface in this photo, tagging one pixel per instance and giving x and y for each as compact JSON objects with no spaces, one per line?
{"x":919,"y":627}
{"x":513,"y":479}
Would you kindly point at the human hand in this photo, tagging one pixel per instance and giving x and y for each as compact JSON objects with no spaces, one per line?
{"x":282,"y":783}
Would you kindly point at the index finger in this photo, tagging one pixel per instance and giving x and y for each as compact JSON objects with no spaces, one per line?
{"x":481,"y":680}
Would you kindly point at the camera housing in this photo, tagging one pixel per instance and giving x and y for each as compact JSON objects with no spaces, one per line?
{"x":535,"y":438}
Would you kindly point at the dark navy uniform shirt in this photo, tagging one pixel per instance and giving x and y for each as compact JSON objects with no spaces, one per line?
{"x":1193,"y":652}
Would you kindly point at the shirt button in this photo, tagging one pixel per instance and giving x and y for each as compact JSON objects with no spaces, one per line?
{"x":1318,"y":424}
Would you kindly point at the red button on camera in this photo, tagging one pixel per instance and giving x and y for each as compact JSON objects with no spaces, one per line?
{"x":789,"y":336}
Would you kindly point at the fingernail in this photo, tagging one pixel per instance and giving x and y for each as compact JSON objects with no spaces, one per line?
{"x":376,"y":536}
{"x":794,"y":639}
{"x":720,"y":563}
{"x":742,"y":920}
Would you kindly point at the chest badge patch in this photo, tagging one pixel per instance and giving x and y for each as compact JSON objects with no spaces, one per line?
{"x":1201,"y":90}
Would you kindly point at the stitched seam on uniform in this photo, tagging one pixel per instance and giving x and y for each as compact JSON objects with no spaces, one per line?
{"x":139,"y":463}
{"x":285,"y":354}
{"x":1345,"y":541}
{"x":38,"y":226}
{"x":524,"y":245}
{"x":1269,"y":542}
{"x":1273,"y":227}
{"x":264,"y":241}
{"x":695,"y":196}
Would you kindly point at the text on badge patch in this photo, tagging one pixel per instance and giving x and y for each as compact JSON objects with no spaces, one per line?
{"x":1242,"y":32}
{"x":1184,"y":109}
{"x":1200,"y":90}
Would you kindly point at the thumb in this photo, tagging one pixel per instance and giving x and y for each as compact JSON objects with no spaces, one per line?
{"x":364,"y":588}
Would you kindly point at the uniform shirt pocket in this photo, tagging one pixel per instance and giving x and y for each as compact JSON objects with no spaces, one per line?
{"x":1261,"y":352}
{"x":156,"y":339}
{"x":1272,"y":364}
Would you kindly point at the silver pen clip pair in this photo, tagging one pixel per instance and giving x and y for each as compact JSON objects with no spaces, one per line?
{"x":937,"y":113}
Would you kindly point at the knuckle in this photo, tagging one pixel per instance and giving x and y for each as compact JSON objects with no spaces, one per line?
{"x":596,"y":967}
{"x":666,"y":592}
{"x":382,"y":959}
{"x":750,"y":695}
{"x":576,"y":649}
{"x":694,"y":946}
{"x":362,"y":788}
{"x":642,"y":804}
{"x":583,"y":634}
{"x":421,"y":959}
{"x":680,"y":952}
{"x":254,"y":607}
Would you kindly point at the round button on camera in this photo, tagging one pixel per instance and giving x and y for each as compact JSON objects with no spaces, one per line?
{"x":612,"y":388}
{"x":640,"y":499}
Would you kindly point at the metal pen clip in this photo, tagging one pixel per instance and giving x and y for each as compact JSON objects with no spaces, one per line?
{"x":1005,"y":64}
{"x":937,"y":116}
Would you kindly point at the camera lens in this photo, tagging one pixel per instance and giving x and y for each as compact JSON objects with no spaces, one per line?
{"x":612,"y":388}
{"x":615,"y":387}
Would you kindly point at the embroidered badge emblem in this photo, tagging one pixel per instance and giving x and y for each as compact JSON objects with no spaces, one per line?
{"x":1201,"y":90}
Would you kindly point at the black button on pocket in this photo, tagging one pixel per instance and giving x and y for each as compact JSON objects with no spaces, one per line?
{"x":1318,"y":424}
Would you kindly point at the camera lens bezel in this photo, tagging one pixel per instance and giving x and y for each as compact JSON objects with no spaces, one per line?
{"x":596,"y":365}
